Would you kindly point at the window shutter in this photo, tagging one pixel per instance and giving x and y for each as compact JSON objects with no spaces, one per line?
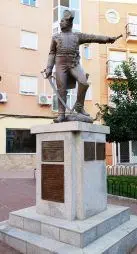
{"x":29,"y":40}
{"x":28,"y":85}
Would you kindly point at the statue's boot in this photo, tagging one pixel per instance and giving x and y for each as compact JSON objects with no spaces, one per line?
{"x":61,"y":108}
{"x":79,"y":105}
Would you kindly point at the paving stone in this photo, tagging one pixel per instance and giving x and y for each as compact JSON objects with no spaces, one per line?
{"x":16,"y":194}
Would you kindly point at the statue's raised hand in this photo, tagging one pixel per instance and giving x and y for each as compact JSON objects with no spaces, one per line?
{"x":48,"y":72}
{"x":113,"y":39}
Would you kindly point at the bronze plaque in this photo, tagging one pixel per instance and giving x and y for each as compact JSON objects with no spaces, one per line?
{"x":52,"y":182}
{"x":53,"y":151}
{"x":100,"y":151}
{"x":89,"y":151}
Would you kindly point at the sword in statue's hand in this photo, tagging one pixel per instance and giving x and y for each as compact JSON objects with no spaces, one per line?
{"x":50,"y":79}
{"x":118,"y":37}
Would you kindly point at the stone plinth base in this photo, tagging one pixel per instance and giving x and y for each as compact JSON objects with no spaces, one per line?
{"x":111,"y":231}
{"x":71,"y":170}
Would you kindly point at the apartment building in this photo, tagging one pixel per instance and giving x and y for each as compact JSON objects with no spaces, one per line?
{"x":26,"y":27}
{"x":118,"y":17}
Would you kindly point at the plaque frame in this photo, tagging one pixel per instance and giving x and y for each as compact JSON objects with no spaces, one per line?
{"x":52,"y":151}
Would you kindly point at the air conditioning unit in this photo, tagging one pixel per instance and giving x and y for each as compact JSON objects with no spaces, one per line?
{"x":45,"y":99}
{"x":3,"y":97}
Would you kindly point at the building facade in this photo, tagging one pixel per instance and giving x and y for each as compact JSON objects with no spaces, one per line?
{"x":26,"y":28}
{"x":118,"y":17}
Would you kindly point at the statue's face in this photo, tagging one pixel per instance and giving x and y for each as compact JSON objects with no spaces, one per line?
{"x":64,"y":24}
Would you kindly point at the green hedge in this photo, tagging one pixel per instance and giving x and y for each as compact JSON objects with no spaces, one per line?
{"x":122,"y":186}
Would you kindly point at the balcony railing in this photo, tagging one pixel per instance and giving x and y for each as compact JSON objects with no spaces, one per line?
{"x":131,"y":30}
{"x":111,"y":67}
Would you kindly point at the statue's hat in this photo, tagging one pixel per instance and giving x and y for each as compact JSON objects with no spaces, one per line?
{"x":69,"y":15}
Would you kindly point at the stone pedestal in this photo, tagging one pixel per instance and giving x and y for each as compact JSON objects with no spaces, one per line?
{"x":75,"y":152}
{"x":71,"y":214}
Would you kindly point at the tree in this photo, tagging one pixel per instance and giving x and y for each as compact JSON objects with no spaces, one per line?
{"x":122,"y":118}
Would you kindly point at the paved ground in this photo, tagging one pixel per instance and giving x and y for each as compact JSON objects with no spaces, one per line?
{"x":20,"y":193}
{"x":14,"y":195}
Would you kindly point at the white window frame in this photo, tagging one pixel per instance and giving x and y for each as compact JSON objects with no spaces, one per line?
{"x":110,"y":60}
{"x":36,"y":3}
{"x":28,"y":93}
{"x":116,"y":160}
{"x":22,"y":44}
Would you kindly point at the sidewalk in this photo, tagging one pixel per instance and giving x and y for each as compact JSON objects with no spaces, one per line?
{"x":16,"y":194}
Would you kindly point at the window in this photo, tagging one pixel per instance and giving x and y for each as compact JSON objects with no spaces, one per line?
{"x":132,"y":25}
{"x":71,"y":99}
{"x":134,"y":56}
{"x":55,"y":3}
{"x":111,"y":93}
{"x":134,"y":152}
{"x":87,"y":52}
{"x":58,"y":9}
{"x":75,"y":4}
{"x":55,"y":14}
{"x":89,"y":93}
{"x":29,"y":40}
{"x":126,"y":152}
{"x":55,"y":30}
{"x":115,"y":59}
{"x":29,"y":2}
{"x":20,"y":141}
{"x":64,"y":3}
{"x":28,"y":85}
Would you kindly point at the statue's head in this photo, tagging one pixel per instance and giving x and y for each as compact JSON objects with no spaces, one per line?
{"x":66,"y":22}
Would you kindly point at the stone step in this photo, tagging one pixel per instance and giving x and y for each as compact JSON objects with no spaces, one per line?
{"x":76,"y":233}
{"x":119,"y":241}
{"x":30,"y":243}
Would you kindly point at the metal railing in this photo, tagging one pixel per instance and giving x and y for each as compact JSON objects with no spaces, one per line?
{"x":122,"y":170}
{"x":131,"y":29}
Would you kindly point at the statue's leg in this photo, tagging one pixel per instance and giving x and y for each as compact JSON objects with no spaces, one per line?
{"x":61,"y":80}
{"x":78,"y":73}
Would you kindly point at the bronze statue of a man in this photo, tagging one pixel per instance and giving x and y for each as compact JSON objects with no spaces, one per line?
{"x":64,"y":53}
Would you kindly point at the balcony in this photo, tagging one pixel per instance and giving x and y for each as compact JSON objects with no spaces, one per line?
{"x":131,"y":32}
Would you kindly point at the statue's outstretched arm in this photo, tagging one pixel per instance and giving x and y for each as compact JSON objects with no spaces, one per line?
{"x":91,"y":38}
